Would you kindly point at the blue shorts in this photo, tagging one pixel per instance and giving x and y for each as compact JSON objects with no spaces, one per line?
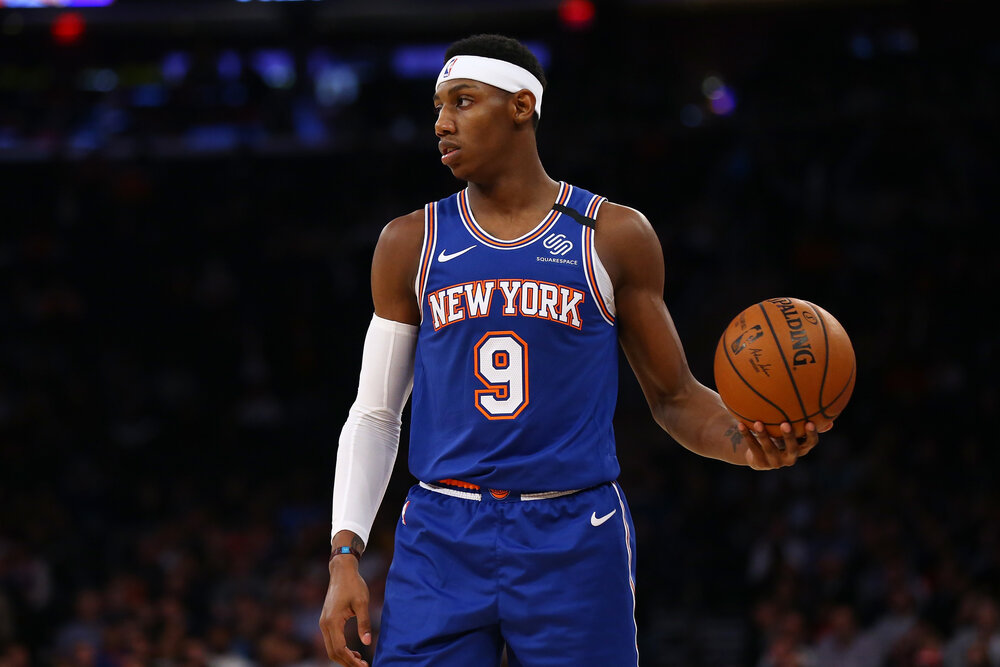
{"x":553,"y":579}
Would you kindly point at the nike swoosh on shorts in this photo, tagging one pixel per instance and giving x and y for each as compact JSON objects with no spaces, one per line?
{"x":595,"y":521}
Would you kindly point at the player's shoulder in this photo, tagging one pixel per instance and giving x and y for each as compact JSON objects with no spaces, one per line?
{"x":403,"y":232}
{"x":619,"y":219}
{"x":624,"y":228}
{"x":400,"y":241}
{"x":411,"y":223}
{"x":624,"y":237}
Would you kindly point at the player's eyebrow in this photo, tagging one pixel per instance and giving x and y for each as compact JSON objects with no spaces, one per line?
{"x":454,"y":89}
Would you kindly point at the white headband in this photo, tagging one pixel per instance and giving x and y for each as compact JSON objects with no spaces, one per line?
{"x":500,"y":73}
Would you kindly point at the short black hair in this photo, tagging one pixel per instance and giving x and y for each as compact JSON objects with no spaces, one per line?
{"x":500,"y":47}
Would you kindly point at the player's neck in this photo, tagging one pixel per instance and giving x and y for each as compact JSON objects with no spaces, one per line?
{"x":515,"y":200}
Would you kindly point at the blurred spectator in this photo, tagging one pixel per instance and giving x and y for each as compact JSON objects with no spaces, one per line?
{"x":977,"y":637}
{"x":87,"y":626}
{"x":841,"y":643}
{"x":788,"y":645}
{"x":898,"y":619}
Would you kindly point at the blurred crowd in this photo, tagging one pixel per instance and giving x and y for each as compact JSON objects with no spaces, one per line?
{"x":180,"y":339}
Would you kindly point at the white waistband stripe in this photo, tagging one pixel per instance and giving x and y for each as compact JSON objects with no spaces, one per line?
{"x":457,"y":493}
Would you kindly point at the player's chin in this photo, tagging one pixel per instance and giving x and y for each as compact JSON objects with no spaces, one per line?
{"x":466,"y":168}
{"x":460,"y":172}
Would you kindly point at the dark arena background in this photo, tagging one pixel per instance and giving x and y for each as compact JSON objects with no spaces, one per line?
{"x":190,"y":194}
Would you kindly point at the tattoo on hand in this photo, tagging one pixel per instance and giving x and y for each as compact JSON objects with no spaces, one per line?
{"x":734,"y":437}
{"x":358,"y":543}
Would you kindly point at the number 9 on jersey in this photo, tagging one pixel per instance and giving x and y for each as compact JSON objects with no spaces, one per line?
{"x":501,"y":365}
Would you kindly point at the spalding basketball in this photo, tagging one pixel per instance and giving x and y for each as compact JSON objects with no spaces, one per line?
{"x":785,"y":360}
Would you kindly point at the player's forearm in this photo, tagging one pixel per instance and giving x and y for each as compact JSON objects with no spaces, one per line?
{"x":365,"y":458}
{"x":370,"y":437}
{"x":699,"y":421}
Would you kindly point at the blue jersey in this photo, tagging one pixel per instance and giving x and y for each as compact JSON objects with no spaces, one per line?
{"x":516,"y":371}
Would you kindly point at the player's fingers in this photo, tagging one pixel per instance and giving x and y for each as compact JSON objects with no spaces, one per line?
{"x":810,"y":439}
{"x":795,"y":448}
{"x":364,"y":621}
{"x":336,"y":644}
{"x":348,"y":658}
{"x":756,"y":458}
{"x":775,"y":451}
{"x":336,"y":647}
{"x":791,"y":447}
{"x":805,"y":449}
{"x":327,"y":639}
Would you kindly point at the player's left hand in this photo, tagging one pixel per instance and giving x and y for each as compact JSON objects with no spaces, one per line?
{"x":767,"y":453}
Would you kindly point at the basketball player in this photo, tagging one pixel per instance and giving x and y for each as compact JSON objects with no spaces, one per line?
{"x":501,"y":307}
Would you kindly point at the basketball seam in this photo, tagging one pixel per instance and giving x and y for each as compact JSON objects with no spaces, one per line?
{"x":784,"y":360}
{"x":850,"y":378}
{"x":725,"y":348}
{"x":826,"y":342}
{"x":826,"y":357}
{"x":822,"y":409}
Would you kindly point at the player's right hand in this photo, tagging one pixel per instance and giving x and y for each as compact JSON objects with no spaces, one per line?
{"x":346,"y":596}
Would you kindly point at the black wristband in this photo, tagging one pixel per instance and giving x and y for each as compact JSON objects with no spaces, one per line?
{"x":337,"y":551}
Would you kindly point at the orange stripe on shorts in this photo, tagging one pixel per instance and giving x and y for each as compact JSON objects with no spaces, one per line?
{"x":460,"y":484}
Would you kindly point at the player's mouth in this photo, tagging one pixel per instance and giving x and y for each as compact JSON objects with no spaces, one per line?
{"x":449,"y":152}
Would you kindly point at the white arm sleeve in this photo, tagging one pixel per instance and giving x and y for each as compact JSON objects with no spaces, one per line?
{"x":370,"y":437}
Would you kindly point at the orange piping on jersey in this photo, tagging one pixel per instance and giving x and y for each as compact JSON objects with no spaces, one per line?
{"x":595,"y":204}
{"x":466,"y":213}
{"x":425,"y":260}
{"x":588,"y":236}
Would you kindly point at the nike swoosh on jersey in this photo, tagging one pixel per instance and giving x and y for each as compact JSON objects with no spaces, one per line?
{"x":445,"y":257}
{"x":595,"y":521}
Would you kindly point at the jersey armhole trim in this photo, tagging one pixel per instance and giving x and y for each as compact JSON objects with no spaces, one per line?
{"x":598,"y":279}
{"x":594,"y":206}
{"x":426,"y":255}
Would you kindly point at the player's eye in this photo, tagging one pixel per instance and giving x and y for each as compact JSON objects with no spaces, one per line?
{"x":463,"y":102}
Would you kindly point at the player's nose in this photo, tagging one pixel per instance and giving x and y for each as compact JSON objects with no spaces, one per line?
{"x":444,"y":125}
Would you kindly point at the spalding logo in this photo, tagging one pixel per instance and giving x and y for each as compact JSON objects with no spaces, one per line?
{"x":802,"y":352}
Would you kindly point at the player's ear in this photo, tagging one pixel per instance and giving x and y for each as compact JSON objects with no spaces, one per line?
{"x":524,"y":106}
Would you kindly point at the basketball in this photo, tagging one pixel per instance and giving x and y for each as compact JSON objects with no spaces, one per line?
{"x":785,"y":360}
